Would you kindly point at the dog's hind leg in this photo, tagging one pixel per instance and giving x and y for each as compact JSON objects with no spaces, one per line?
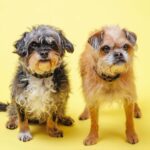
{"x":3,"y":106}
{"x":85,"y":114}
{"x":63,"y":119}
{"x":12,"y":122}
{"x":60,"y":114}
{"x":137,"y":111}
{"x":53,"y":129}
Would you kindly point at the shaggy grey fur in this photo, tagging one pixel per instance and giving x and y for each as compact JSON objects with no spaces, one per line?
{"x":39,"y":98}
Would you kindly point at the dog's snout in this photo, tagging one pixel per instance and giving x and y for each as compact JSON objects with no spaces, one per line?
{"x":119,"y":58}
{"x":44,"y":54}
{"x":118,"y":55}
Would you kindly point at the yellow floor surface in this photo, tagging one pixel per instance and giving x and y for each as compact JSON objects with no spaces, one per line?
{"x":77,"y":18}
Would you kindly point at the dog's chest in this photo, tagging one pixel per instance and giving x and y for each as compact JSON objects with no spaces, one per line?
{"x":38,"y":99}
{"x":39,"y":88}
{"x":113,"y":91}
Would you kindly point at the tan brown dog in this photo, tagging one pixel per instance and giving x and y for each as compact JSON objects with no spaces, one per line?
{"x":107,"y":74}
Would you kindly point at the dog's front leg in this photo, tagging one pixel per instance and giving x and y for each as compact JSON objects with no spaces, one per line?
{"x":52,"y":128}
{"x":93,"y":135}
{"x":130,"y":131}
{"x":24,"y":133}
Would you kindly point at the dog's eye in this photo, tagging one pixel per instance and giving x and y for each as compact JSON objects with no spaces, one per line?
{"x":126,"y":47}
{"x":106,"y":49}
{"x":34,"y":44}
{"x":32,"y":47}
{"x":53,"y":45}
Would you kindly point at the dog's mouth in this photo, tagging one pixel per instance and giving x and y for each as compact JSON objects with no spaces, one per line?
{"x":44,"y":65}
{"x":119,"y":61}
{"x":44,"y":60}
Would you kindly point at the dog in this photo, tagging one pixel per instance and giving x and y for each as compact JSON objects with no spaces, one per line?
{"x":106,"y":68}
{"x":40,"y":88}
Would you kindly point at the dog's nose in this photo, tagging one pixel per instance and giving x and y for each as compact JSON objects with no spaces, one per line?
{"x":44,"y":54}
{"x":118,"y":55}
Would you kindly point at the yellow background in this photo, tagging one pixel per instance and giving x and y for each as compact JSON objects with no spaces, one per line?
{"x":77,"y":18}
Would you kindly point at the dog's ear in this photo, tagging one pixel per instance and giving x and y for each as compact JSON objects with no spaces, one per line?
{"x":131,"y":36}
{"x":20,"y":46}
{"x":66,"y":44}
{"x":96,"y":39}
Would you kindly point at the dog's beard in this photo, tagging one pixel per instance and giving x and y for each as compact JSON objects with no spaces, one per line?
{"x":44,"y":66}
{"x":107,"y":65}
{"x":39,"y":67}
{"x":36,"y":65}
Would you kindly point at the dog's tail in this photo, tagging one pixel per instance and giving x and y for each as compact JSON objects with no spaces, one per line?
{"x":3,"y":106}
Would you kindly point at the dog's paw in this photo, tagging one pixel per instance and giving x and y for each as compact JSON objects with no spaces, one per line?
{"x":137,"y":113}
{"x":54,"y":132}
{"x":83,"y":117}
{"x":67,"y":121}
{"x":132,"y":138}
{"x":11,"y":125}
{"x":25,"y":136}
{"x":90,"y":140}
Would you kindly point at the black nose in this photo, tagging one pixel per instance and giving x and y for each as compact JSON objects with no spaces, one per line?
{"x":44,"y":54}
{"x":118,"y":55}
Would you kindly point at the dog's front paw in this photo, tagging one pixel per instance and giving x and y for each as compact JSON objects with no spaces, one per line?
{"x":90,"y":140}
{"x":25,"y":136}
{"x":67,"y":121}
{"x":11,"y":125}
{"x":132,"y":138}
{"x":54,"y":132}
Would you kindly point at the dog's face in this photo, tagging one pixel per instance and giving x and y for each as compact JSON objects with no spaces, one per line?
{"x":113,"y":50}
{"x":42,"y":49}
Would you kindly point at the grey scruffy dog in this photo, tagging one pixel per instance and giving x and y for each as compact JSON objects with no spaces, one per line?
{"x":40,"y":88}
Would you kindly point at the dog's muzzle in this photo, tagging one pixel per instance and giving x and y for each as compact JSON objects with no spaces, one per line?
{"x":119,"y":58}
{"x":44,"y":54}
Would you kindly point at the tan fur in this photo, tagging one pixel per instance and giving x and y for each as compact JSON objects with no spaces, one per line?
{"x":53,"y":129}
{"x":97,"y":91}
{"x":24,"y":126}
{"x":93,"y":86}
{"x":85,"y":114}
{"x":93,"y":134}
{"x":35,"y":65}
{"x":130,"y":131}
{"x":24,"y":133}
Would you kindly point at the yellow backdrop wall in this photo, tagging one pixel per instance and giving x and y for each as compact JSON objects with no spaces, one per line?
{"x":77,"y":18}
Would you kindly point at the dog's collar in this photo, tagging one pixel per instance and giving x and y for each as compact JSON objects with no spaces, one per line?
{"x":45,"y":75}
{"x":107,"y":77}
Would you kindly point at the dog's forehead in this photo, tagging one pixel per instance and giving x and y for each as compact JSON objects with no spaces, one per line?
{"x":114,"y":32}
{"x":43,"y":32}
{"x":114,"y":35}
